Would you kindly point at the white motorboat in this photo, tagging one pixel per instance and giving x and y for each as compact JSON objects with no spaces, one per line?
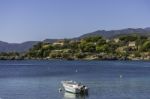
{"x":74,"y":87}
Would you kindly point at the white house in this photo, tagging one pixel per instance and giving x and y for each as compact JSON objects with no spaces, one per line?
{"x":131,"y":44}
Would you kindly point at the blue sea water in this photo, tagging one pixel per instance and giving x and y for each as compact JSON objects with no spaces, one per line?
{"x":40,"y":79}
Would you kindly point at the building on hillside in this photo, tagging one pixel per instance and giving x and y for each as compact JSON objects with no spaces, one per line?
{"x":107,"y":40}
{"x":132,"y":44}
{"x":60,"y":42}
{"x":74,"y":41}
{"x":116,"y":40}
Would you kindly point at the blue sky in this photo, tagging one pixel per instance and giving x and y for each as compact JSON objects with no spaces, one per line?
{"x":23,"y":20}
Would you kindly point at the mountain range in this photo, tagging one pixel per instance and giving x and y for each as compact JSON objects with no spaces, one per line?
{"x":115,"y":33}
{"x":25,"y":46}
{"x":16,"y":47}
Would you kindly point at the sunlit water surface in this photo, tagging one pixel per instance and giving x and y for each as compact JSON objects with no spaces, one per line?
{"x":30,"y":79}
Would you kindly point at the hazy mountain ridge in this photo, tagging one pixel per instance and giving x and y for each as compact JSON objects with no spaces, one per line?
{"x":16,"y":47}
{"x":23,"y":47}
{"x":114,"y":33}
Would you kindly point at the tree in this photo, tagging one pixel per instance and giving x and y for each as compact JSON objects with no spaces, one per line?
{"x":101,"y":42}
{"x":37,"y":46}
{"x":74,"y":45}
{"x":146,"y":46}
{"x":128,"y":38}
{"x":87,"y":47}
{"x":92,"y":38}
{"x":102,"y":48}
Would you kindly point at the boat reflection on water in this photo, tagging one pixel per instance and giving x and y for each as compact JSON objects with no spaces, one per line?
{"x":68,"y":95}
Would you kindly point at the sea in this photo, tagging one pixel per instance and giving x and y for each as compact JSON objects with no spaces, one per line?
{"x":41,"y":79}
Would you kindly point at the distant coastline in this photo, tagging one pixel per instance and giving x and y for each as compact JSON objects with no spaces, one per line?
{"x":126,"y":47}
{"x":106,"y":34}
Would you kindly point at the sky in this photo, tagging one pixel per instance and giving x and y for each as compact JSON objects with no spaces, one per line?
{"x":31,"y":20}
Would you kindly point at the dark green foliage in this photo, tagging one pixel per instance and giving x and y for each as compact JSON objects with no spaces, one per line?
{"x":93,"y":38}
{"x":10,"y":55}
{"x":96,"y":44}
{"x":128,"y":38}
{"x":101,"y":42}
{"x":102,"y":48}
{"x":90,"y":47}
{"x":38,"y":46}
{"x":146,"y":46}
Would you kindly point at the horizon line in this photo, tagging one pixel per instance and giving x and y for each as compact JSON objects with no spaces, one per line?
{"x":73,"y":37}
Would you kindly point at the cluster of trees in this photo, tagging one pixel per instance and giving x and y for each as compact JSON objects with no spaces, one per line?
{"x":142,"y":42}
{"x":71,"y":49}
{"x":94,"y":47}
{"x":10,"y":55}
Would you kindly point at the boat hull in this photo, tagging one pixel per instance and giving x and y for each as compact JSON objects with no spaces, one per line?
{"x":72,"y":90}
{"x":77,"y":90}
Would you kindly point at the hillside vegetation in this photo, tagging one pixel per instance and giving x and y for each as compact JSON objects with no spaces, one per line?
{"x":107,"y":34}
{"x":133,"y":47}
{"x":125,"y":47}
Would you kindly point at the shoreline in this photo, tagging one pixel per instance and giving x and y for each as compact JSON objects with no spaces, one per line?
{"x":62,"y":59}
